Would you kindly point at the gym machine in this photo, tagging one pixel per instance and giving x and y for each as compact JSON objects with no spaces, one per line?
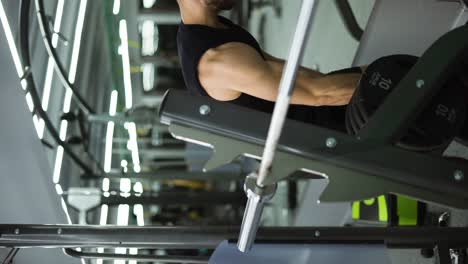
{"x":375,"y":160}
{"x":357,"y":167}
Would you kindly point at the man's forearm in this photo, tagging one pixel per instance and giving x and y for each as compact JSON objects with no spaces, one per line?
{"x":280,"y":63}
{"x":336,"y":89}
{"x":316,"y":89}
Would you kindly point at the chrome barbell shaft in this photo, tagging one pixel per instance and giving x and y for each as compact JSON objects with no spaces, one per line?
{"x":286,"y":88}
{"x":259,"y":194}
{"x":257,"y":197}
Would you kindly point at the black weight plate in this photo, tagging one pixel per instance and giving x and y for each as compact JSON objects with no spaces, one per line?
{"x":445,"y":115}
{"x":381,"y":77}
{"x":349,"y":128}
{"x":361,"y":121}
{"x":350,"y":123}
{"x":360,"y":108}
{"x":437,"y":124}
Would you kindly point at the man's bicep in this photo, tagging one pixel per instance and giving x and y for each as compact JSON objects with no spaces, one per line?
{"x":236,"y":67}
{"x":270,"y":57}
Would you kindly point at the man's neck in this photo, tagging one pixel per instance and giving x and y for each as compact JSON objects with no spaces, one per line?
{"x":199,"y":16}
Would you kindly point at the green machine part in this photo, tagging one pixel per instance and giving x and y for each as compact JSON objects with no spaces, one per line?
{"x":407,"y":211}
{"x":374,"y":209}
{"x":394,"y":210}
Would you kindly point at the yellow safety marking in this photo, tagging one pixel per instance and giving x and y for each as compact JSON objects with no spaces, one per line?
{"x":383,"y":209}
{"x":356,"y":210}
{"x":369,"y":202}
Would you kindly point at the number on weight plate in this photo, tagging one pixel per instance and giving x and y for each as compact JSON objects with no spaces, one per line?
{"x":447,"y":113}
{"x":442,"y":110}
{"x":378,"y":80}
{"x":385,"y":83}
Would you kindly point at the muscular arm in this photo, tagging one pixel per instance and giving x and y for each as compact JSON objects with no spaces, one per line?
{"x":235,"y":68}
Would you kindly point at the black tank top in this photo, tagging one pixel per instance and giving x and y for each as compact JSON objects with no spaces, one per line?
{"x":194,"y":40}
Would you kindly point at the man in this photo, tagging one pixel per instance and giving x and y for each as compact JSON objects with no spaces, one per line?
{"x":222,"y":60}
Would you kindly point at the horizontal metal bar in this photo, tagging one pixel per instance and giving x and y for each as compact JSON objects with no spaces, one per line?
{"x":71,"y":236}
{"x":161,"y":17}
{"x":108,"y":118}
{"x":161,"y":60}
{"x":173,"y":175}
{"x":161,"y":259}
{"x":157,"y":165}
{"x":121,"y":119}
{"x":149,"y":141}
{"x":179,"y":198}
{"x":156,"y":153}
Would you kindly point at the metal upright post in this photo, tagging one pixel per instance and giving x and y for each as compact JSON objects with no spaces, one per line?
{"x":257,"y":192}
